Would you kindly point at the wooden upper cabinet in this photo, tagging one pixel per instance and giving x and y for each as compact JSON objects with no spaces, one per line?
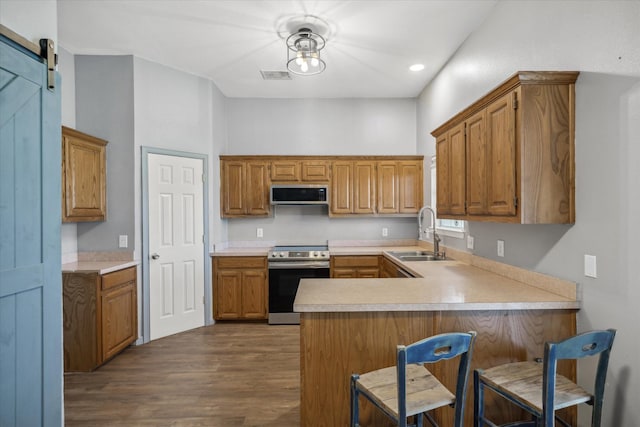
{"x":300,"y":171}
{"x":244,"y":188}
{"x":315,"y":170}
{"x":341,"y":187}
{"x":410,"y":184}
{"x":501,"y":168}
{"x":364,"y":187}
{"x":285,"y":171}
{"x":358,"y":185}
{"x":519,"y":153}
{"x":450,"y":171}
{"x":84,"y":179}
{"x":388,"y":188}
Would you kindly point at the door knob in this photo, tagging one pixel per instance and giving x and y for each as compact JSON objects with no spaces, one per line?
{"x":155,"y":256}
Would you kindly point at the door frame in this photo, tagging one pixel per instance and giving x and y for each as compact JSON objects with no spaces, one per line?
{"x":146,"y":310}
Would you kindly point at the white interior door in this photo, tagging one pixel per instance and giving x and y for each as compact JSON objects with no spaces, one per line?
{"x":176,"y":247}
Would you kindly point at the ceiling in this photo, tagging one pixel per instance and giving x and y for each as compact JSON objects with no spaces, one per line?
{"x":370,"y":45}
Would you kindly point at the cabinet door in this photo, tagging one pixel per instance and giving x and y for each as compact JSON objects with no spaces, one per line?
{"x":364,"y":187}
{"x":501,"y":157}
{"x":119,"y":319}
{"x":388,"y":196}
{"x":344,"y":273}
{"x":477,"y":164}
{"x":410,"y":186}
{"x":232,"y":188}
{"x":285,"y":171}
{"x":443,"y":172}
{"x":84,"y":185}
{"x":315,"y":171}
{"x":257,"y":189}
{"x":342,"y":188}
{"x":254,"y":294}
{"x":457,"y":162}
{"x":228,"y":294}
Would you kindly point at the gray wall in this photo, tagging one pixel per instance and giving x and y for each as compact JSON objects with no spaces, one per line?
{"x":105,"y":108}
{"x":343,"y":126}
{"x":601,"y":40}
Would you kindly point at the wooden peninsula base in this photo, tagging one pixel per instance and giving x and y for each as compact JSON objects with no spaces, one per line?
{"x":336,"y":344}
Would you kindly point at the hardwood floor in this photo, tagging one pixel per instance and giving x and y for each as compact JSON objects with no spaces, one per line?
{"x":227,"y":374}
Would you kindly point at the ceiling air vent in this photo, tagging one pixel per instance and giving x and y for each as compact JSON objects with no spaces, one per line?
{"x":275,"y":75}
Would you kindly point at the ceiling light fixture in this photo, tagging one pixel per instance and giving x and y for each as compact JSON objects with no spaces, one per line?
{"x":417,"y":67}
{"x":303,"y":52}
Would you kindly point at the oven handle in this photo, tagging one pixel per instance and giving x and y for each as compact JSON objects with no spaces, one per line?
{"x":298,"y":265}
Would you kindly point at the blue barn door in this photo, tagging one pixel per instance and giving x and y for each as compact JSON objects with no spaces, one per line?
{"x":30,"y":278}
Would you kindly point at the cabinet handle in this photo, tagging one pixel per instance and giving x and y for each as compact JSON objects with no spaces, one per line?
{"x":155,"y":256}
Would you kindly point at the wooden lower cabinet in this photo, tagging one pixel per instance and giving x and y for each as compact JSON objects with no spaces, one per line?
{"x":240,"y":288}
{"x":335,"y":345}
{"x":100,"y":317}
{"x":355,"y":267}
{"x":388,"y":269}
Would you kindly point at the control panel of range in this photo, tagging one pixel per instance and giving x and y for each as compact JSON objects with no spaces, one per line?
{"x":299,"y":253}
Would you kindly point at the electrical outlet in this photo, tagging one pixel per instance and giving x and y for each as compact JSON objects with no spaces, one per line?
{"x":501,"y":248}
{"x":470,"y":242}
{"x":590,"y":267}
{"x":385,"y":231}
{"x":123,"y":241}
{"x":259,"y":232}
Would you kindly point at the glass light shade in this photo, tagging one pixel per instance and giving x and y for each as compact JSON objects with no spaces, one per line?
{"x":303,"y":53}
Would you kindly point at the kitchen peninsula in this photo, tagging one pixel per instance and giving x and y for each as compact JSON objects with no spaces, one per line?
{"x":354,"y":325}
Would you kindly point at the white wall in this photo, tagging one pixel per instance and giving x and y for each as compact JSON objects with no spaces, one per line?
{"x":600,"y":39}
{"x":33,"y":19}
{"x":343,"y":126}
{"x":322,"y":126}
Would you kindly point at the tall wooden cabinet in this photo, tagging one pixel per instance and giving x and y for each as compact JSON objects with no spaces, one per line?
{"x":100,"y":317}
{"x":240,"y":288}
{"x":509,"y":157}
{"x":84,"y":179}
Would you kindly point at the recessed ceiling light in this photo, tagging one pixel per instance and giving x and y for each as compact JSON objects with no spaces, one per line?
{"x":417,"y":67}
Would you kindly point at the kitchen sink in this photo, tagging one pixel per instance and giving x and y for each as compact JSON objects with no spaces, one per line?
{"x":415,"y":256}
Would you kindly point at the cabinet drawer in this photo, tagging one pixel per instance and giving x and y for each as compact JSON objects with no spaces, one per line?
{"x":356,"y":261}
{"x":119,"y":277}
{"x":241,"y":262}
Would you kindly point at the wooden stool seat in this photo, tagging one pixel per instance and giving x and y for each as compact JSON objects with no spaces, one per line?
{"x":524,"y":381}
{"x":424,"y":391}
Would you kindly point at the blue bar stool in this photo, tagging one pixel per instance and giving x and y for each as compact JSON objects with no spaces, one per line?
{"x":538,"y":389}
{"x":409,"y":389}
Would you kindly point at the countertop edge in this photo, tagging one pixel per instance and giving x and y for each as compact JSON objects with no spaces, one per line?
{"x":99,"y":267}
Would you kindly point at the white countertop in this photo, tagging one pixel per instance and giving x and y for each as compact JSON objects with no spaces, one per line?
{"x":99,"y":267}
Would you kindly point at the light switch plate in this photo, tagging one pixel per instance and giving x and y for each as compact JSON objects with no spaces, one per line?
{"x":590,"y":267}
{"x":470,"y":242}
{"x":501,"y":248}
{"x":123,"y":241}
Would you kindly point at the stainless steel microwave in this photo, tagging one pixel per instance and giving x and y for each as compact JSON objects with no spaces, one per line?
{"x":305,"y":194}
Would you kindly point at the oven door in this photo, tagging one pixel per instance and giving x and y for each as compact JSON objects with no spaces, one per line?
{"x":284,"y":278}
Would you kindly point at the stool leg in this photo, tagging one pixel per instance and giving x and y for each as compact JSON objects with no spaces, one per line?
{"x":478,"y":400}
{"x":354,"y":401}
{"x":419,"y":419}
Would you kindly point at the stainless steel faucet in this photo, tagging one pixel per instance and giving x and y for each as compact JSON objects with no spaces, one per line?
{"x":436,"y":238}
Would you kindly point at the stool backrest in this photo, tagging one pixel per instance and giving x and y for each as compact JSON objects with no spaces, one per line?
{"x":582,"y":345}
{"x":434,"y":349}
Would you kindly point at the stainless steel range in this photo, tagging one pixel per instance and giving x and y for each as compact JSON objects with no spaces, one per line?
{"x":287,"y":265}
